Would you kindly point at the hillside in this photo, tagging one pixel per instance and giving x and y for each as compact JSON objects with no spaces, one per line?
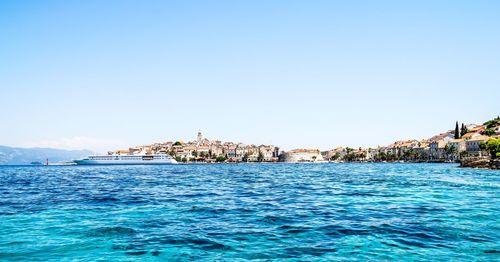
{"x":16,"y":155}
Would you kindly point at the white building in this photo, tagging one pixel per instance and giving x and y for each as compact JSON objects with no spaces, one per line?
{"x":303,"y":155}
{"x":473,"y":145}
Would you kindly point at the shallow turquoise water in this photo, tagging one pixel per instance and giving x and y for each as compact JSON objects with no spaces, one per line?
{"x":289,"y":212}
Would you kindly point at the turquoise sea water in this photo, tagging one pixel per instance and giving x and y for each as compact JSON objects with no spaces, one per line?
{"x":289,"y":212}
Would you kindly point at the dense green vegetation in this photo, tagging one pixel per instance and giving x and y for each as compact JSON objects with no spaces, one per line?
{"x":491,"y":126}
{"x":488,"y":132}
{"x":493,"y":123}
{"x":493,"y":146}
{"x":457,"y":132}
{"x":463,"y":130}
{"x":220,"y":159}
{"x":406,"y":155}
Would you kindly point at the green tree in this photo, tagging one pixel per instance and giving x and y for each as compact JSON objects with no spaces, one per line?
{"x":488,"y":132}
{"x":390,"y":156}
{"x":409,"y":154}
{"x":361,"y":156}
{"x":260,"y":158}
{"x":349,"y":156}
{"x":381,"y":156}
{"x":220,"y":159}
{"x":177,"y":143}
{"x":493,"y":123}
{"x":457,"y":132}
{"x":194,"y":153}
{"x":463,"y":130}
{"x":184,"y":160}
{"x":335,"y":157}
{"x":348,"y":150}
{"x":245,"y":157}
{"x":423,"y":156}
{"x":493,"y":146}
{"x":451,"y":151}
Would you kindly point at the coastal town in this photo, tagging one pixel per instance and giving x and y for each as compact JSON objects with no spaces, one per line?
{"x":203,"y":150}
{"x":467,"y":142}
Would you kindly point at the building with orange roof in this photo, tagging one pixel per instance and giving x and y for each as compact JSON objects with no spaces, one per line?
{"x":473,"y":145}
{"x":470,"y":135}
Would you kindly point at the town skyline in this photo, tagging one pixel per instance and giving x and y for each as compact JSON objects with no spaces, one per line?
{"x":103,"y":145}
{"x":464,"y":140}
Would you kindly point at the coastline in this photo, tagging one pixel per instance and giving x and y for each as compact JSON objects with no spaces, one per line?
{"x":245,"y":163}
{"x":480,"y":162}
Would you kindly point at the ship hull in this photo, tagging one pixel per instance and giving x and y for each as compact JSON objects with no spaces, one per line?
{"x":86,"y":162}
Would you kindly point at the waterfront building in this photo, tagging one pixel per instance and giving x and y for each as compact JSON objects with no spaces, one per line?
{"x":422,"y":150}
{"x":189,"y":149}
{"x":216,"y":149}
{"x":268,"y":153}
{"x":458,"y":144}
{"x":239,"y":152}
{"x":303,"y":155}
{"x":203,"y":150}
{"x":437,"y":149}
{"x":230,"y":152}
{"x":371,"y":153}
{"x":407,"y":146}
{"x":252,"y":153}
{"x":473,"y":144}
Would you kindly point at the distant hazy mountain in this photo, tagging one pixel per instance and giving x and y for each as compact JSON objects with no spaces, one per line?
{"x":17,"y":155}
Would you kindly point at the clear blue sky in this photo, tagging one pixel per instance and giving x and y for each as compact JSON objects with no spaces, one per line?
{"x":319,"y":74}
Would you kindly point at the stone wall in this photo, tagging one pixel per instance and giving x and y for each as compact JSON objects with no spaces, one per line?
{"x":297,"y":157}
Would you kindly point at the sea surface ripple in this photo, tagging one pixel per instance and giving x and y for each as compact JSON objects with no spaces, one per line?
{"x":228,"y":212}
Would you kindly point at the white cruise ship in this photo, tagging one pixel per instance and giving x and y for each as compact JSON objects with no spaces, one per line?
{"x":139,"y":159}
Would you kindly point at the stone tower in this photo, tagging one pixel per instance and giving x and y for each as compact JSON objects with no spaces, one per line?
{"x":199,"y":138}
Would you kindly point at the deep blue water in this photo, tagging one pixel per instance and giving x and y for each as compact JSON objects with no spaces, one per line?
{"x":264,"y":212}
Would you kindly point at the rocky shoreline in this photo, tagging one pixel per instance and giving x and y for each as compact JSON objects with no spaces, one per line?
{"x":480,"y":162}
